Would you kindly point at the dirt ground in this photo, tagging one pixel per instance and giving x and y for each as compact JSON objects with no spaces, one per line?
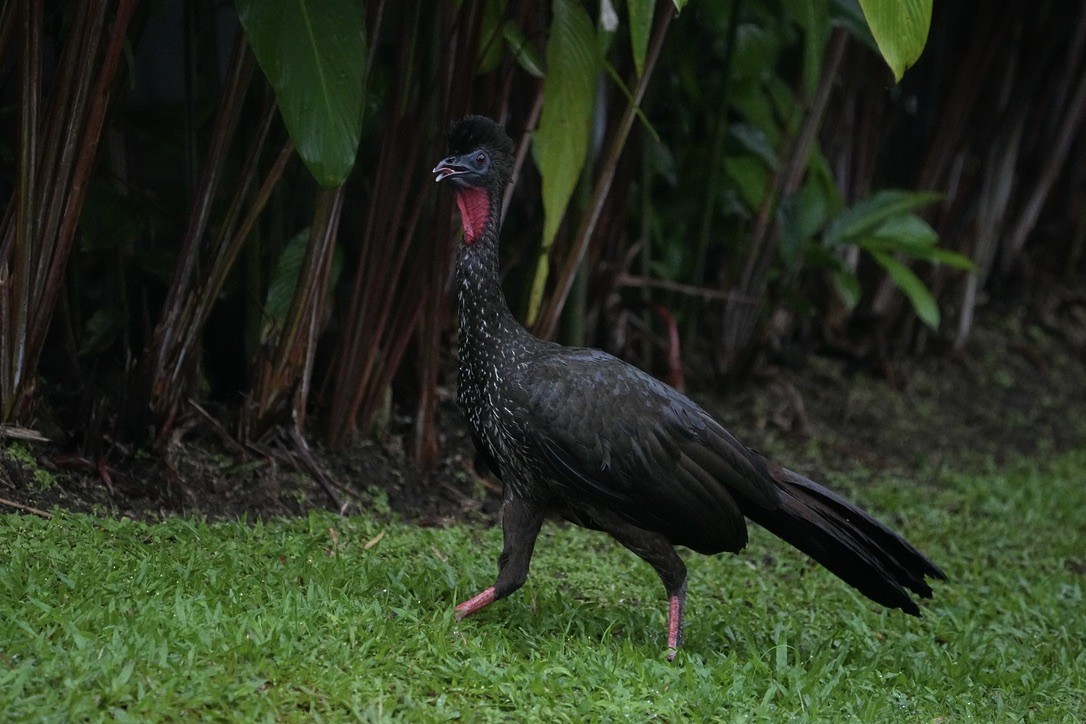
{"x":1019,"y":389}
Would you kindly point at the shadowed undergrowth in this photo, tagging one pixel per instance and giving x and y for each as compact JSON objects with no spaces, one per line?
{"x":328,"y":617}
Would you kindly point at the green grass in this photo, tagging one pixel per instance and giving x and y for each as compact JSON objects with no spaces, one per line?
{"x":289,"y":621}
{"x":19,"y":454}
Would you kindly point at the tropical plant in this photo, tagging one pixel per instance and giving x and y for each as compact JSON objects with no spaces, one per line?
{"x":170,"y":262}
{"x":58,"y":139}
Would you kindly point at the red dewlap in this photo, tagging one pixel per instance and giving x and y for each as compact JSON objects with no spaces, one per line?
{"x":474,"y":211}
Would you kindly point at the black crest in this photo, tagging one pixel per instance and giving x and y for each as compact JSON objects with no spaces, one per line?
{"x":472,"y":132}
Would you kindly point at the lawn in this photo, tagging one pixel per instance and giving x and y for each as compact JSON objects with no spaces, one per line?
{"x":330,"y":618}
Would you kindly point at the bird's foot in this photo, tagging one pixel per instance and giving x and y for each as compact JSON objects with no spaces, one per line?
{"x":476,"y":603}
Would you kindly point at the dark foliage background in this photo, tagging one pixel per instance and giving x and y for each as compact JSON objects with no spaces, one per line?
{"x":167,"y":258}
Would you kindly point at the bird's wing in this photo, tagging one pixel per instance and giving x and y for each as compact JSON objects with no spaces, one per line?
{"x":607,"y":434}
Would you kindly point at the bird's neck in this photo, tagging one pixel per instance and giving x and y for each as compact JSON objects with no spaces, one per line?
{"x":487,"y":326}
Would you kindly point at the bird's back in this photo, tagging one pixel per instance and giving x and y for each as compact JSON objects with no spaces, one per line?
{"x":596,"y":432}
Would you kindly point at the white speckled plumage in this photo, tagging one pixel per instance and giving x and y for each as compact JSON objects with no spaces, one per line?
{"x":580,"y":433}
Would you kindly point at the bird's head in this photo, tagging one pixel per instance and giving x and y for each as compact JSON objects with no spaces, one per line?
{"x":480,"y":154}
{"x":479,"y":163}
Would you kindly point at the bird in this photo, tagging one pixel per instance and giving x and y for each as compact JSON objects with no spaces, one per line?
{"x":582,"y":435}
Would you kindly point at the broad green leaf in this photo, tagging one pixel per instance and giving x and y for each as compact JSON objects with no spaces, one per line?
{"x":801,"y":216}
{"x":907,"y":231}
{"x":560,"y":144}
{"x":950,"y":258}
{"x":756,"y":49}
{"x":313,"y":53}
{"x":791,"y":240}
{"x":783,"y":98}
{"x":750,"y":176}
{"x":756,"y":108}
{"x":522,"y":50}
{"x":932,"y":254}
{"x":912,"y":236}
{"x":820,"y":175}
{"x":870,"y":213}
{"x":679,"y":5}
{"x":640,"y":12}
{"x":900,"y":28}
{"x":285,"y":278}
{"x":491,"y":35}
{"x":813,"y":17}
{"x":104,"y":327}
{"x":848,"y":286}
{"x":917,"y":292}
{"x":763,"y":104}
{"x":754,"y":140}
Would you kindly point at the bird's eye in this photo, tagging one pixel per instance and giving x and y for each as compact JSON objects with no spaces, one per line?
{"x":480,"y":159}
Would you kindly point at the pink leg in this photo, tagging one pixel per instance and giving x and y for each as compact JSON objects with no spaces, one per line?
{"x":476,"y":603}
{"x":675,"y":613}
{"x":657,"y":551}
{"x":520,"y":521}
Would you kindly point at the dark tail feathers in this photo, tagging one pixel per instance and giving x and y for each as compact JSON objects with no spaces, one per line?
{"x":858,"y":549}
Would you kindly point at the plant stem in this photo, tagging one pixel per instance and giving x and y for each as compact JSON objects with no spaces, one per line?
{"x":741,"y":311}
{"x":548,"y":319}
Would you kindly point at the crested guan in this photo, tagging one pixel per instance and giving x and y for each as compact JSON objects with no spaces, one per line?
{"x":582,"y":434}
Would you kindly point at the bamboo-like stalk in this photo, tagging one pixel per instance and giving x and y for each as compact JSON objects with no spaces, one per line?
{"x":552,"y":308}
{"x":1058,"y":150}
{"x":63,"y":121}
{"x":992,"y":205}
{"x":390,"y":297}
{"x":197,"y":307}
{"x":167,"y":356}
{"x":80,"y":176}
{"x":8,"y":20}
{"x":716,"y":171}
{"x":741,"y":311}
{"x":16,"y":302}
{"x":285,"y":364}
{"x":315,"y":300}
{"x":55,"y":162}
{"x":433,"y":315}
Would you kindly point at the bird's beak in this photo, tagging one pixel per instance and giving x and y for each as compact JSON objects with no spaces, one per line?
{"x":451,"y":166}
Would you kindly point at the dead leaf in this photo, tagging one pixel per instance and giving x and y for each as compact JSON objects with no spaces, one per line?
{"x":374,"y":540}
